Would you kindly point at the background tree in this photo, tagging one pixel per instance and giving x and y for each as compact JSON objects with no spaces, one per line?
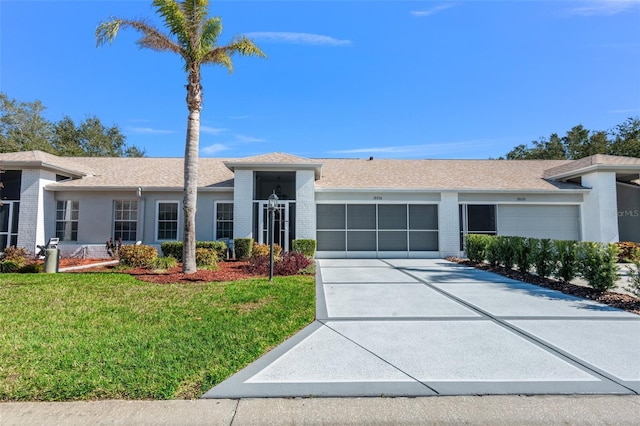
{"x":193,"y":36}
{"x":23,"y":128}
{"x":91,"y":138}
{"x":579,"y":142}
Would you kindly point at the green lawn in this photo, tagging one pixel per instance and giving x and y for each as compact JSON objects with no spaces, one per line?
{"x":105,"y":336}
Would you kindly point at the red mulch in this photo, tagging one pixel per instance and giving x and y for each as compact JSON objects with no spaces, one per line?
{"x":227,"y":271}
{"x":617,"y":300}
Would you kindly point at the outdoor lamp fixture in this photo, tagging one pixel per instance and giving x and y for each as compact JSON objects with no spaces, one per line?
{"x":273,"y":204}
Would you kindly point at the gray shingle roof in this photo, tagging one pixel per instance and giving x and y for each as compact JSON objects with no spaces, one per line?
{"x":357,"y":174}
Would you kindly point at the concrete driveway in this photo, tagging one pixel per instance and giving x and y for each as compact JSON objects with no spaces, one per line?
{"x":431,"y":327}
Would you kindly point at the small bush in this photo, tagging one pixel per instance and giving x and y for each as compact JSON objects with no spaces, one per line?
{"x":265,"y":250}
{"x":492,"y":252}
{"x":626,"y":251}
{"x":164,"y":263}
{"x":542,"y":257}
{"x":8,"y":266}
{"x":243,"y":248}
{"x":598,"y":265}
{"x":634,"y":274}
{"x":18,"y":255}
{"x":306,"y":247}
{"x":566,"y":267}
{"x":141,"y":256}
{"x":476,"y":247}
{"x":206,"y":258}
{"x":172,"y":249}
{"x":31,"y":268}
{"x":522,"y":252}
{"x":291,"y":263}
{"x":506,"y":251}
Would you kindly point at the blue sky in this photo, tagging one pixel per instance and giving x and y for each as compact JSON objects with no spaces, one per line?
{"x":389,"y":79}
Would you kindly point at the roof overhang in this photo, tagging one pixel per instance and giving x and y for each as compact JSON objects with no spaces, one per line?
{"x":43,"y":165}
{"x":631,"y":169}
{"x":271,"y":166}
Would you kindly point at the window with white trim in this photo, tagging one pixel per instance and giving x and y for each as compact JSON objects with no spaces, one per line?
{"x":167,"y":220}
{"x":67,"y":220}
{"x":224,"y":220}
{"x":125,"y":220}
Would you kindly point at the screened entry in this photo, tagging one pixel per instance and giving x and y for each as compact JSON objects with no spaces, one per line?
{"x":377,"y":229}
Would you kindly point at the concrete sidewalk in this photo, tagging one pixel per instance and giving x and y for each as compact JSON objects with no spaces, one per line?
{"x":421,"y":327}
{"x":470,"y":410}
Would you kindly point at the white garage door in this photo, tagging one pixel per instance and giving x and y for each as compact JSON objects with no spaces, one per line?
{"x":555,"y":222}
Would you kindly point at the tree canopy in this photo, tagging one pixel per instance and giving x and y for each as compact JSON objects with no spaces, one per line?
{"x":24,"y":128}
{"x":623,"y":140}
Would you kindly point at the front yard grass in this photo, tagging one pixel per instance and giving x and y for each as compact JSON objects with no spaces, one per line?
{"x":109,"y":336}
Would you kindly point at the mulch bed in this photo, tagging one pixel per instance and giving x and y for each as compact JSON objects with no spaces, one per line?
{"x":616,"y":300}
{"x":227,"y":271}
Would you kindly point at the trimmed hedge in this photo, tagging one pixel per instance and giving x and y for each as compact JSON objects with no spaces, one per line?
{"x":206,"y":258}
{"x":243,"y":248}
{"x":304,"y":246}
{"x":565,"y":260}
{"x":174,"y":248}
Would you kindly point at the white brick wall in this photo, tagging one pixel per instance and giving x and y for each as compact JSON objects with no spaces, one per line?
{"x":36,"y":222}
{"x":305,"y":205}
{"x":243,"y":204}
{"x":449,"y":225}
{"x":600,"y":208}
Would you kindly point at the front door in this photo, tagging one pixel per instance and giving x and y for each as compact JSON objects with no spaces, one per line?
{"x":281,"y":224}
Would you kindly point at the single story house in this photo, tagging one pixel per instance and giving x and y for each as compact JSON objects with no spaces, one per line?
{"x":352,"y":207}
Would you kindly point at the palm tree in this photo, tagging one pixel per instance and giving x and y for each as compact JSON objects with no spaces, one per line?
{"x":193,"y":36}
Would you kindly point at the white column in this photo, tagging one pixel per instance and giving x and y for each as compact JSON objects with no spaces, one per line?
{"x":449,"y":225}
{"x":600,"y":208}
{"x":305,"y":205}
{"x":36,"y":222}
{"x":243,"y":204}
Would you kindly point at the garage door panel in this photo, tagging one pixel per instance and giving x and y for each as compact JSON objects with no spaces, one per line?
{"x":555,"y":222}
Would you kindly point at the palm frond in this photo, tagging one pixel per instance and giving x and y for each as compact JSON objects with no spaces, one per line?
{"x":152,"y":38}
{"x":174,"y":18}
{"x":222,"y":55}
{"x":211,"y":30}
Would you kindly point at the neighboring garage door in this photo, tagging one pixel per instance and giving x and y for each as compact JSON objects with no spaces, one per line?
{"x":555,"y":222}
{"x":377,"y":229}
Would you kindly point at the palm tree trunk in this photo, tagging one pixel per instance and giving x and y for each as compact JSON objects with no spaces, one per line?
{"x":194,"y":103}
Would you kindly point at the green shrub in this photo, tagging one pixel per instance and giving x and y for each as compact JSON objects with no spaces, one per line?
{"x":522,"y":252}
{"x":18,"y":255}
{"x":304,"y":246}
{"x":7,"y":266}
{"x":626,"y":251}
{"x":598,"y":265}
{"x":173,"y":249}
{"x":634,"y":274}
{"x":164,"y":263}
{"x":476,"y":247}
{"x":138,"y":256}
{"x":31,"y":268}
{"x":243,"y":248}
{"x":493,"y":251}
{"x":505,"y":251}
{"x":566,"y":266}
{"x":206,"y":258}
{"x":542,"y":257}
{"x":265,"y":250}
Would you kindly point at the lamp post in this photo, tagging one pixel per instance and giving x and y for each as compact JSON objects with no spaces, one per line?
{"x":273,"y":204}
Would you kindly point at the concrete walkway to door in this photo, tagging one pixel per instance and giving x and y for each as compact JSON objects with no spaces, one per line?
{"x":431,"y":327}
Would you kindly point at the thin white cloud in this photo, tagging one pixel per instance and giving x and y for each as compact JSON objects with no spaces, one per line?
{"x":149,"y":131}
{"x":604,"y":7}
{"x":424,"y":150}
{"x":298,"y":38}
{"x":243,"y":138}
{"x":431,"y":11}
{"x":212,"y":130}
{"x":214,"y":149}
